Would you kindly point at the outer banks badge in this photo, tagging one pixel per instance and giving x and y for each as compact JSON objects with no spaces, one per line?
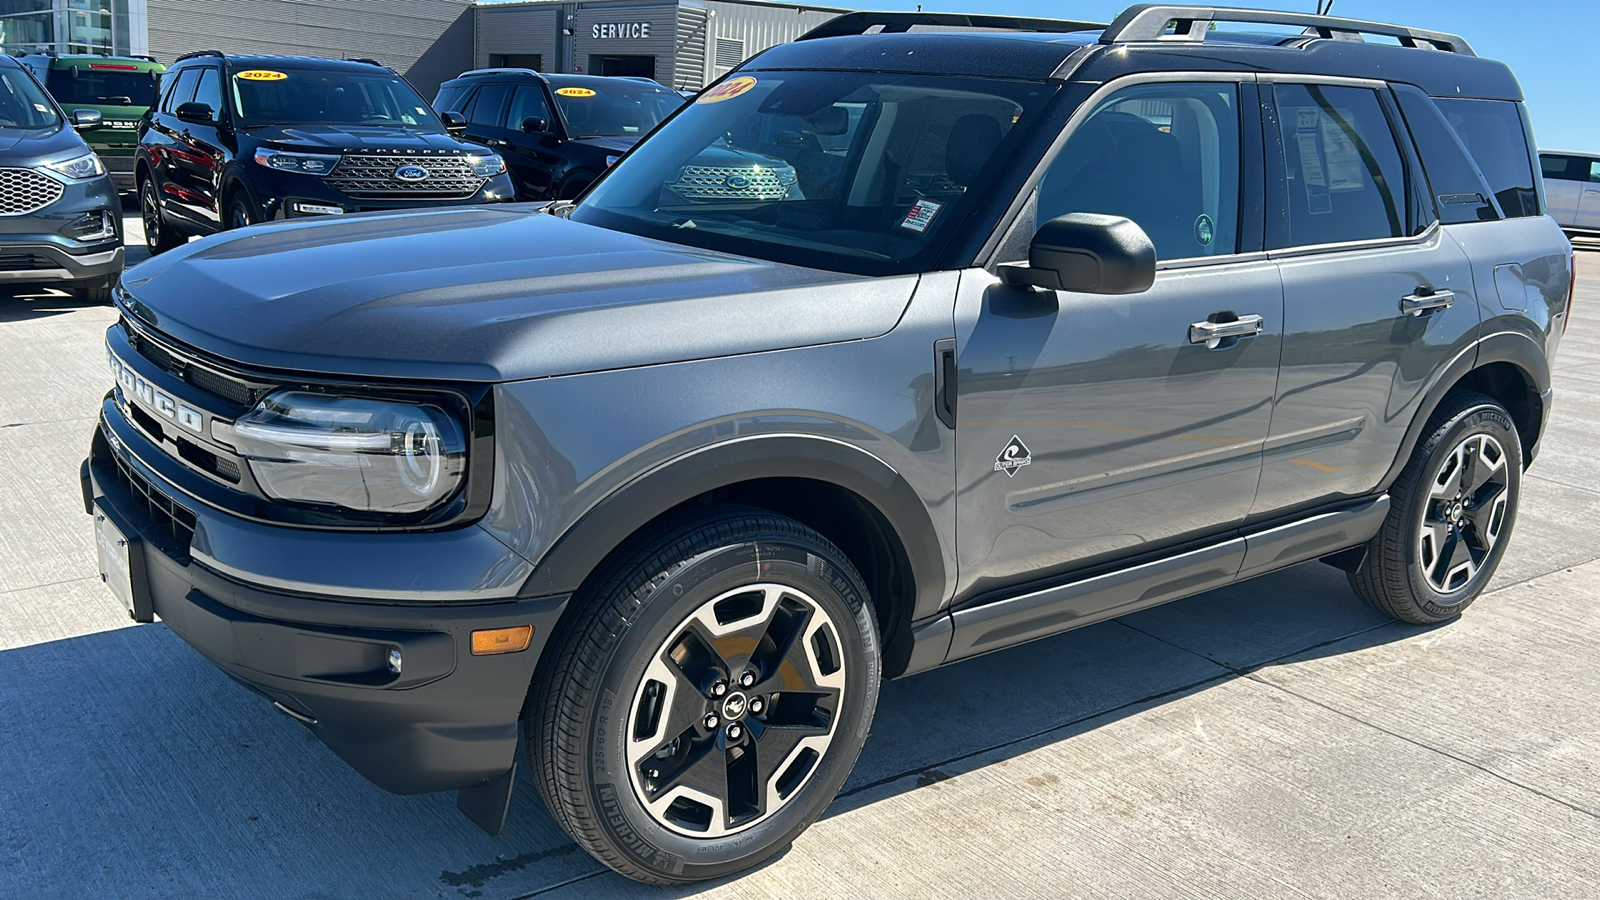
{"x":1205,"y":230}
{"x":1013,"y":457}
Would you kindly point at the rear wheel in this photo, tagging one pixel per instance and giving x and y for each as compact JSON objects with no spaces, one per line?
{"x":710,"y":697}
{"x":1454,"y":506}
{"x":158,"y":235}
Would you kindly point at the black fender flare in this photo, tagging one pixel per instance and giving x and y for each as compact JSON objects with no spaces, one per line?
{"x":1516,"y":348}
{"x":583,"y":546}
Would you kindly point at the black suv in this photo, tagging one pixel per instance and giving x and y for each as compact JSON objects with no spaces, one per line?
{"x":558,"y":132}
{"x":236,"y":140}
{"x":1065,"y":321}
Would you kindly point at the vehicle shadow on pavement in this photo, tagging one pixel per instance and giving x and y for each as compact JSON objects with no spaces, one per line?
{"x":136,"y":766}
{"x":21,"y":303}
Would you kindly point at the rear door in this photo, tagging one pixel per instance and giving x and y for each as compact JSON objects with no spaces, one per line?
{"x":486,"y":115}
{"x":1377,"y":297}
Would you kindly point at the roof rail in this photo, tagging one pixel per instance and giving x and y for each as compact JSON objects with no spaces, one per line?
{"x":501,"y":70}
{"x":365,"y":59}
{"x":1150,"y":22}
{"x":194,"y":53}
{"x":897,"y":22}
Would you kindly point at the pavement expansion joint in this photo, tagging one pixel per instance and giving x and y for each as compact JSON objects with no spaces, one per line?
{"x":35,"y":587}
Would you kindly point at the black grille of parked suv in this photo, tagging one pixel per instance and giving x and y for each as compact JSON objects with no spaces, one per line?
{"x":367,"y":176}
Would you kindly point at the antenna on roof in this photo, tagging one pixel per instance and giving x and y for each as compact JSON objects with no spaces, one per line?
{"x":1324,"y":7}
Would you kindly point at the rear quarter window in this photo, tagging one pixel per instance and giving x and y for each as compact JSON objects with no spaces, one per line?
{"x":1492,"y":132}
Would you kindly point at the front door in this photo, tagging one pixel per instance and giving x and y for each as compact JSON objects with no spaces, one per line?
{"x":1093,"y":428}
{"x":199,"y":158}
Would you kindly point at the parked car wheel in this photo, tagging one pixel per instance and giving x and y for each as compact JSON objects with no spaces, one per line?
{"x":1454,"y":506}
{"x":241,"y":212}
{"x":158,"y":235}
{"x":706,"y":707}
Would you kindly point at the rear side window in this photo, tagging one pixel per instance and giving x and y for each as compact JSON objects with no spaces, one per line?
{"x":1493,"y":133}
{"x":1343,"y":172}
{"x":1165,"y":156}
{"x":490,"y":104}
{"x":1459,"y":191}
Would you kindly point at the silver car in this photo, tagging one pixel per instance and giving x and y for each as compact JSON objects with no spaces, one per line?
{"x":1572,"y":189}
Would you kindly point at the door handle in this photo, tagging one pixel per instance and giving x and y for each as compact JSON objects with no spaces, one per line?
{"x":1419,"y":303}
{"x":1213,"y":334}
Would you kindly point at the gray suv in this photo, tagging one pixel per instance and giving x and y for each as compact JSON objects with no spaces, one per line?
{"x":60,"y":220}
{"x":1067,"y":320}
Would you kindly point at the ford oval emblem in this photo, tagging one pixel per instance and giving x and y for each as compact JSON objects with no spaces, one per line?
{"x":737,"y":181}
{"x":411,"y":173}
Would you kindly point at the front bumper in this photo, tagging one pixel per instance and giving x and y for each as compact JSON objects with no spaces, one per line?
{"x":447,"y":720}
{"x":33,"y":249}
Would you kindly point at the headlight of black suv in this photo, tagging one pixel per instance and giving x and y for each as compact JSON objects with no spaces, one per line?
{"x":358,"y":453}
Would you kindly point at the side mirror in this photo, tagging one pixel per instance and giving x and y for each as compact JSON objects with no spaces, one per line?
{"x":453,"y":121}
{"x":86,"y":118}
{"x":1089,"y":253}
{"x":536,"y":125}
{"x":196,"y":112}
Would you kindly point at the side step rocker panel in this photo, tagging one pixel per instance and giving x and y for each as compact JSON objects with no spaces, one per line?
{"x":1029,"y":616}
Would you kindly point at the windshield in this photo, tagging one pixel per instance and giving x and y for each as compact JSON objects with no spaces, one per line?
{"x":613,"y":107}
{"x":22,"y":103}
{"x":290,"y":96}
{"x":856,"y":171}
{"x":103,"y":84}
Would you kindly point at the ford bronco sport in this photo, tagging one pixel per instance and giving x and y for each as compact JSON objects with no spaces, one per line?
{"x":1068,"y":320}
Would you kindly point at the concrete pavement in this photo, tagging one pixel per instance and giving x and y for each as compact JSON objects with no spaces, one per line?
{"x":1275,"y":738}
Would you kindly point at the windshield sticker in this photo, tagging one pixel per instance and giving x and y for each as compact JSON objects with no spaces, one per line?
{"x":727,"y":90}
{"x":1205,"y":230}
{"x":574,"y":92}
{"x":41,"y":107}
{"x":261,"y":75}
{"x":1013,"y":457}
{"x":921,"y":215}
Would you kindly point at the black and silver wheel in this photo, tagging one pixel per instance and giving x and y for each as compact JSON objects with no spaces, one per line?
{"x":158,"y":236}
{"x":709,"y":699}
{"x":241,"y":212}
{"x":1454,"y":505}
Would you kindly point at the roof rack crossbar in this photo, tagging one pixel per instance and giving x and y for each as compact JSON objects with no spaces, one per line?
{"x":1150,"y":22}
{"x":194,"y":53}
{"x":898,"y":22}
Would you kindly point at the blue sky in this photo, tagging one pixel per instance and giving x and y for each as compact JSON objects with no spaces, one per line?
{"x":1547,"y":43}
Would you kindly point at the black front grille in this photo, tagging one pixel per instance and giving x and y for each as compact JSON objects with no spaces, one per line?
{"x":172,"y":526}
{"x":215,"y":383}
{"x":203,"y":459}
{"x":26,"y":262}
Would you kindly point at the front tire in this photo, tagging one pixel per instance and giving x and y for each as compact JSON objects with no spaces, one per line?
{"x":159,"y":237}
{"x":1453,"y":509}
{"x":711,"y":694}
{"x":241,"y":212}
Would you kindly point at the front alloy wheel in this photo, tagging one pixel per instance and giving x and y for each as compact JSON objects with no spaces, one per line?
{"x":706,"y":695}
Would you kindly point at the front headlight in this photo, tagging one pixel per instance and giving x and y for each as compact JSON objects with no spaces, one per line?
{"x":486,"y":164}
{"x":354,"y":452}
{"x":309,"y":163}
{"x":78,"y":168}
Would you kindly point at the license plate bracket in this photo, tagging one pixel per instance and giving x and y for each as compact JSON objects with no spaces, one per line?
{"x":122,"y":563}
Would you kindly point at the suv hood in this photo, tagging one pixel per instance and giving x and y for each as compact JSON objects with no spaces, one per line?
{"x":488,"y":294}
{"x":27,"y":147}
{"x":356,"y":137}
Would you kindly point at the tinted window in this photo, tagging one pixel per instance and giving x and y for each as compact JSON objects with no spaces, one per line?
{"x":1492,"y":131}
{"x":102,"y":84}
{"x":22,"y":103}
{"x":289,"y":95}
{"x":1165,"y":156}
{"x":526,"y":101}
{"x":491,"y":102}
{"x":1459,"y":192}
{"x":209,"y":90}
{"x":1565,"y":168}
{"x":613,"y":107}
{"x":451,"y":98}
{"x":857,"y":171}
{"x":182,"y":91}
{"x":1342,"y":166}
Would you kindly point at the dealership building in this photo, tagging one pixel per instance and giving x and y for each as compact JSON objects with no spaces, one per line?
{"x":682,"y":44}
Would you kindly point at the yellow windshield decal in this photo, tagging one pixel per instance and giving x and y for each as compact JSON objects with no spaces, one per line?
{"x":727,"y":90}
{"x":261,"y":75}
{"x":574,"y":92}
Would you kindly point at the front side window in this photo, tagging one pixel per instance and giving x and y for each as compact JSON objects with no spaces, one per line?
{"x":209,"y":90}
{"x":855,"y":171}
{"x":527,"y":102}
{"x":22,"y":103}
{"x":451,"y":98}
{"x":1342,"y":166}
{"x":1492,"y":131}
{"x":1165,"y":156}
{"x":288,"y":95}
{"x":182,"y":90}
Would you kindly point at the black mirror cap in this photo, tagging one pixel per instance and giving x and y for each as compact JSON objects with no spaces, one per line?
{"x":453,"y":121}
{"x":1089,"y":253}
{"x":86,"y":118}
{"x":536,"y":125}
{"x":197,"y":112}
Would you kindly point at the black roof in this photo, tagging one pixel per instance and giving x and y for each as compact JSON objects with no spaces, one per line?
{"x":1038,"y":56}
{"x":299,"y":62}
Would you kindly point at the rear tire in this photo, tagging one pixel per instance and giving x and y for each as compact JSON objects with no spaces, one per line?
{"x":159,"y":237}
{"x":709,"y":696}
{"x":1452,"y":513}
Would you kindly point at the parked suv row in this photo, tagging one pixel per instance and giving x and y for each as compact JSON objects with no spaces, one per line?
{"x":235,"y":140}
{"x":1056,"y":321}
